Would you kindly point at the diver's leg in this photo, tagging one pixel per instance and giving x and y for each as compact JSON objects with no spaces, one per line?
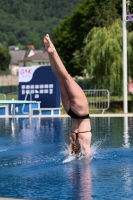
{"x":54,"y":58}
{"x":64,"y":94}
{"x":78,"y":100}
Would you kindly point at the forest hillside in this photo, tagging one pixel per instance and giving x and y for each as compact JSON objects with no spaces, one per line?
{"x":25,"y":22}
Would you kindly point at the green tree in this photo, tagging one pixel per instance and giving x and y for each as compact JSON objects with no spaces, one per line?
{"x":4,"y":58}
{"x":39,"y":17}
{"x":107,"y":13}
{"x":72,"y":31}
{"x":12,"y":39}
{"x":130,"y":54}
{"x":103,"y":55}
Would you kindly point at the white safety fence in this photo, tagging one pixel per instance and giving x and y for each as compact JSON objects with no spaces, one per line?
{"x":98,"y":99}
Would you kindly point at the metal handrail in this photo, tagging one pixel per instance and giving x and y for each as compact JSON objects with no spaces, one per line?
{"x":98,"y":99}
{"x":4,"y":97}
{"x":23,"y":107}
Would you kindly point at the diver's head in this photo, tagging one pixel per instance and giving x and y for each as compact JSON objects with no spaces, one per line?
{"x":76,"y":148}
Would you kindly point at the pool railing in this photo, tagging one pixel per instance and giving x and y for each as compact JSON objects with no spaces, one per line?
{"x":98,"y":99}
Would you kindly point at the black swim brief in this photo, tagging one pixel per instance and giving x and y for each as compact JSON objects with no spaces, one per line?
{"x":73,"y":115}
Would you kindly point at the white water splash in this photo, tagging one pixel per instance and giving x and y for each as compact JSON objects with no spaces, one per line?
{"x":69,"y":159}
{"x":93,"y":152}
{"x":66,"y":152}
{"x":95,"y":148}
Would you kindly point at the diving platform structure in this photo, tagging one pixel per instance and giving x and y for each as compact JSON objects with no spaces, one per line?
{"x":19,"y":108}
{"x":38,"y":94}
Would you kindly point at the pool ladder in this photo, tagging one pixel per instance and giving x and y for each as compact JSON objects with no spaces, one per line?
{"x":23,"y":107}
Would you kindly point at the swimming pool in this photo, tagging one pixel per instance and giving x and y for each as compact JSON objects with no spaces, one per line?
{"x":34,"y":162}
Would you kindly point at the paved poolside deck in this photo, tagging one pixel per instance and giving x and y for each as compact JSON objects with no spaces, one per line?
{"x":112,"y":115}
{"x":65,"y":115}
{"x":108,"y":115}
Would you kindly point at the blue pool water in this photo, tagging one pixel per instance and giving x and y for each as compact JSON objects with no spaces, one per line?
{"x":34,"y":161}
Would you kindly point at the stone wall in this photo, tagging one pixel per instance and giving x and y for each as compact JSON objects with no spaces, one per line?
{"x":8,"y":80}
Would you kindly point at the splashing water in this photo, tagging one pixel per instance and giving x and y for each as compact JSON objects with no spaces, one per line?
{"x":94,"y":151}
